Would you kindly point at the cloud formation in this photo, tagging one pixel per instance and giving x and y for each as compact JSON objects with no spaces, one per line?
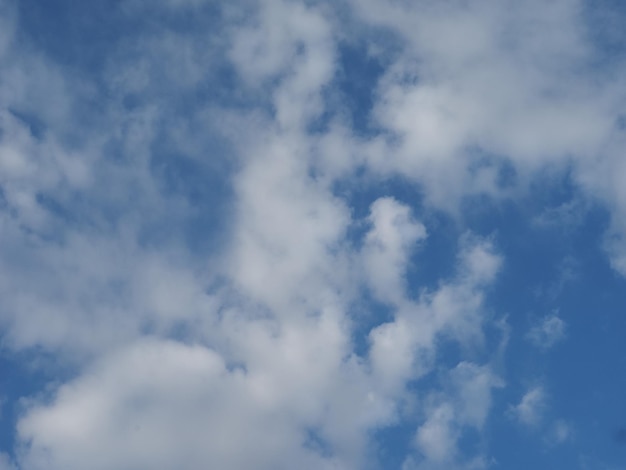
{"x":530,"y":410}
{"x":220,"y":266}
{"x":547,"y":332}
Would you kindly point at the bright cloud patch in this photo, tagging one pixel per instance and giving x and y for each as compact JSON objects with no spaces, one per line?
{"x":309,"y":234}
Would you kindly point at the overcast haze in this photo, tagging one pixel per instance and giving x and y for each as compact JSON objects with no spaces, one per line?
{"x":312,"y":234}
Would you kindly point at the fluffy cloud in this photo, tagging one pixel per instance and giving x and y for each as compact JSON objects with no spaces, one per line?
{"x":159,"y":404}
{"x":388,"y":246}
{"x":465,"y":405}
{"x":404,"y":348}
{"x":435,"y":438}
{"x":297,"y":335}
{"x":477,"y":87}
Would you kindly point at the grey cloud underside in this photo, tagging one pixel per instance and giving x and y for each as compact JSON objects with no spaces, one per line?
{"x":243,"y":352}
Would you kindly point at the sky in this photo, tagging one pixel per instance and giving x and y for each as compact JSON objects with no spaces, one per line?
{"x":312,"y":234}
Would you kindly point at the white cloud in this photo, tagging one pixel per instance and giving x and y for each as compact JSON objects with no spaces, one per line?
{"x":530,"y":410}
{"x":516,"y":83}
{"x":480,"y":261}
{"x":184,"y":360}
{"x":473,"y":387}
{"x":465,"y":404}
{"x":162,"y":404}
{"x":293,"y":42}
{"x":436,"y":437}
{"x":388,"y":247}
{"x":405,"y":347}
{"x":548,"y":331}
{"x":287,"y":242}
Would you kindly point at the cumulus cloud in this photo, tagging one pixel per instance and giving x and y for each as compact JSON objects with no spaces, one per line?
{"x":258,"y":348}
{"x":465,"y":404}
{"x":388,"y":246}
{"x":405,"y":347}
{"x":291,"y":370}
{"x":503,"y":80}
{"x":162,"y":404}
{"x":435,"y":438}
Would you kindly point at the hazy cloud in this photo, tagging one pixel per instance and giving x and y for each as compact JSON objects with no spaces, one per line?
{"x":530,"y":410}
{"x":547,"y":332}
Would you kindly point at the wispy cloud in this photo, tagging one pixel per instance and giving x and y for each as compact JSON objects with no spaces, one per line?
{"x":548,"y":331}
{"x":531,"y":408}
{"x":559,"y":433}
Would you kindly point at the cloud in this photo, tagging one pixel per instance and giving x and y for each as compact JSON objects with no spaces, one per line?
{"x":293,"y":42}
{"x":547,"y":332}
{"x":160,"y":404}
{"x":560,"y":433}
{"x":475,"y":88}
{"x":388,"y":246}
{"x":473,"y":386}
{"x":530,"y":410}
{"x":435,"y":438}
{"x":404,"y":348}
{"x":5,"y":462}
{"x":464,"y":405}
{"x":269,"y":348}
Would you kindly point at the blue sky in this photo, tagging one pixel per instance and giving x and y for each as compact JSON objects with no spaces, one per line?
{"x":277,"y":234}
